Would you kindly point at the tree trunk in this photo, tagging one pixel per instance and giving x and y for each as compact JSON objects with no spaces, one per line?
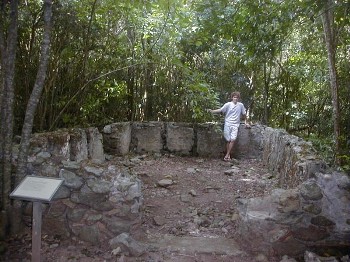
{"x":8,"y":57}
{"x":148,"y":82}
{"x":8,"y":52}
{"x":328,"y":28}
{"x":130,"y":81}
{"x":36,"y":93}
{"x":266,"y":95}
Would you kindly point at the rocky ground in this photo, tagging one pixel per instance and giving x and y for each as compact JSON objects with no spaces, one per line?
{"x":189,"y":214}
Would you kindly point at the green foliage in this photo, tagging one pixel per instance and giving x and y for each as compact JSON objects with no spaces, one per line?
{"x":324,"y":146}
{"x":198,"y":98}
{"x":170,"y":60}
{"x":104,"y":105}
{"x":345,"y":162}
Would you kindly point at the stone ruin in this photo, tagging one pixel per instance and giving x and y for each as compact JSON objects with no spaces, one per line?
{"x":100,"y":202}
{"x":311,"y":208}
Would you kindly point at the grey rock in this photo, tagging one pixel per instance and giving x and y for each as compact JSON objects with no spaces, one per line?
{"x":193,"y":193}
{"x":261,"y":258}
{"x":191,"y":170}
{"x":310,"y":233}
{"x":122,"y":182}
{"x":322,"y":221}
{"x":76,"y":215}
{"x":117,"y":225}
{"x":313,"y":209}
{"x":136,"y":160}
{"x":344,"y":183}
{"x":95,"y":144}
{"x":87,"y":233}
{"x":136,"y":207}
{"x":289,"y":201}
{"x":232,"y":171}
{"x":287,"y":259}
{"x":99,"y":186}
{"x":71,"y":180}
{"x":96,"y":171}
{"x":117,"y":138}
{"x":49,"y":170}
{"x":44,"y":155}
{"x":147,"y":137}
{"x":180,"y":138}
{"x":87,"y":197}
{"x":62,"y":192}
{"x":78,"y":145}
{"x":93,"y":217}
{"x":312,"y":257}
{"x":311,"y":191}
{"x":134,"y":191}
{"x":128,"y":245}
{"x":165,"y":182}
{"x":185,"y":197}
{"x":72,"y":165}
{"x":107,"y":129}
{"x":159,"y":220}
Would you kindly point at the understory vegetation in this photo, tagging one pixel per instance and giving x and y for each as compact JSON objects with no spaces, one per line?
{"x":113,"y":61}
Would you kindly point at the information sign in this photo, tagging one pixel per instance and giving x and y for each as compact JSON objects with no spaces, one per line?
{"x":37,"y":188}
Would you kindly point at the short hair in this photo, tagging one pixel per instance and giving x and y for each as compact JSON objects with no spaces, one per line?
{"x":236,"y":93}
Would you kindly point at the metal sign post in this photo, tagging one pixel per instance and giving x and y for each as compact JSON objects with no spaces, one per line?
{"x":36,"y":231}
{"x":37,"y":190}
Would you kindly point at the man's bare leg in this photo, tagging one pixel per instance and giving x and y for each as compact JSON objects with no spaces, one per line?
{"x":229,"y":147}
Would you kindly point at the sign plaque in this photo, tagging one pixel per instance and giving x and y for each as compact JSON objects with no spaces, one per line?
{"x":37,"y":189}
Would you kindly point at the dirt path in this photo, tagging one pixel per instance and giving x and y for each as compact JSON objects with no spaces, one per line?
{"x":197,"y":202}
{"x":189,"y":213}
{"x":200,"y":200}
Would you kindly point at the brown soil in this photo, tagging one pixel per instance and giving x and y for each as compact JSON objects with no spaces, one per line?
{"x":200,"y":202}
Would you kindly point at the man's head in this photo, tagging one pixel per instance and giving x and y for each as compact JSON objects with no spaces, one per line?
{"x":236,"y":95}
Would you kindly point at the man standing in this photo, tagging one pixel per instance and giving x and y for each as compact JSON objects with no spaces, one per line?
{"x":233,"y":112}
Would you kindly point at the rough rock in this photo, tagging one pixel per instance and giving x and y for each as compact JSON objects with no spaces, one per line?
{"x":128,"y":245}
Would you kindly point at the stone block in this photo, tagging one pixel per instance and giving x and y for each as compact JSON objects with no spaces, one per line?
{"x":95,"y":144}
{"x":147,"y":137}
{"x":179,"y":138}
{"x":117,"y":138}
{"x":210,"y":141}
{"x":249,"y":142}
{"x":59,"y":144}
{"x":56,"y":143}
{"x":78,"y":145}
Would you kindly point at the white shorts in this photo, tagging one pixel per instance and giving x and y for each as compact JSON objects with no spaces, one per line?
{"x":230,"y":132}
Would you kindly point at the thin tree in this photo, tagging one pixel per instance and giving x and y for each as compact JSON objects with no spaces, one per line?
{"x":330,"y":41}
{"x":8,"y":41}
{"x":36,"y":92}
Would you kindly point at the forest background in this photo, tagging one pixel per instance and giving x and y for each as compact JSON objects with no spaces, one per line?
{"x":79,"y":63}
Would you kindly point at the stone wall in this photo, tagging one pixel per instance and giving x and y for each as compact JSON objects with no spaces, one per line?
{"x":288,"y":222}
{"x":310,"y":210}
{"x":97,"y":201}
{"x":291,"y":158}
{"x":204,"y":140}
{"x":100,"y":201}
